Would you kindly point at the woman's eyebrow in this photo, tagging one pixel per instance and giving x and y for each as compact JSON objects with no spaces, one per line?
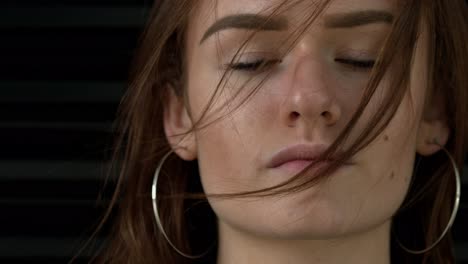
{"x":265,"y":23}
{"x":357,"y":18}
{"x":247,"y":21}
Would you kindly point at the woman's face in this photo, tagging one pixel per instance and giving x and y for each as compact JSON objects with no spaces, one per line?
{"x":302,"y":106}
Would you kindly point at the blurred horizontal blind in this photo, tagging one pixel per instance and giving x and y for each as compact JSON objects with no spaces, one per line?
{"x":63,"y":69}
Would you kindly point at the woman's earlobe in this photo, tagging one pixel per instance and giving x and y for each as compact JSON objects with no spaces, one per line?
{"x":178,"y":127}
{"x":431,"y":134}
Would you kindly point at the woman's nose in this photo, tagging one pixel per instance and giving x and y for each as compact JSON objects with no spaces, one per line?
{"x":310,"y":95}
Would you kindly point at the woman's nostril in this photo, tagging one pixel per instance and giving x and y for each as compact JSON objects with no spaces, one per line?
{"x":294,"y":115}
{"x":327,"y":115}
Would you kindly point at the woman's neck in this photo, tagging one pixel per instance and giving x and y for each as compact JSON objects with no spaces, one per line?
{"x":236,"y":247}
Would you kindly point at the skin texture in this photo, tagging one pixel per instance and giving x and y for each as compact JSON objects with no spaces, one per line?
{"x":308,"y":98}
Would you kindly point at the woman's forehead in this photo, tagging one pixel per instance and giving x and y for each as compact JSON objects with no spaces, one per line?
{"x":209,"y":12}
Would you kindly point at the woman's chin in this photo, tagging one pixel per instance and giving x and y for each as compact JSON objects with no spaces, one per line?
{"x":286,"y":219}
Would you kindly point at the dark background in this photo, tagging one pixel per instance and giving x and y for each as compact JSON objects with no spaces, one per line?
{"x":63,"y":70}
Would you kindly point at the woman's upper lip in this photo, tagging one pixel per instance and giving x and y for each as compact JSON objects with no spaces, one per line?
{"x":296,"y":152}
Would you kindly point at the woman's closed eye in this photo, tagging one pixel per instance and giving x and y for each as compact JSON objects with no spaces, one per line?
{"x":262,"y":64}
{"x":355,"y":64}
{"x":253,"y":66}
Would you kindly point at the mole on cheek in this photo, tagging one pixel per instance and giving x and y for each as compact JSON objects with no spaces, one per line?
{"x":385,"y":138}
{"x":392,"y":175}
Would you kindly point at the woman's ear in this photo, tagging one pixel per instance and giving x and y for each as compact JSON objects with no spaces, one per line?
{"x":178,"y":125}
{"x":433,"y":127}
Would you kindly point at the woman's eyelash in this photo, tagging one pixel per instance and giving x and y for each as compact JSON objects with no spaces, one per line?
{"x":254,"y":65}
{"x":263,"y":64}
{"x":363,"y":64}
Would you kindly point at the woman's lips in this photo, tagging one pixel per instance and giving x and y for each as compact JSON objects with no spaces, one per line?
{"x":300,"y":153}
{"x":295,"y":158}
{"x":296,"y":166}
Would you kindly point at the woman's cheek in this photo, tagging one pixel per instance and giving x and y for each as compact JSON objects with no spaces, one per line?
{"x":220,"y":163}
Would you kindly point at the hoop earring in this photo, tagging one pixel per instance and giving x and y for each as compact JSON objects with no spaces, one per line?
{"x":454,"y":210}
{"x":156,"y":212}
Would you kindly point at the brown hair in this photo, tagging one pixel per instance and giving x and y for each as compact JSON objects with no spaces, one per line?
{"x":141,"y":142}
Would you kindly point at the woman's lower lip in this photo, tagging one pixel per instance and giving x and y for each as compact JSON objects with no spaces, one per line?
{"x":296,"y":166}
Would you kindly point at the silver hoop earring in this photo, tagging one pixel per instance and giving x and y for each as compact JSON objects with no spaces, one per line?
{"x":454,"y":210}
{"x":156,"y":212}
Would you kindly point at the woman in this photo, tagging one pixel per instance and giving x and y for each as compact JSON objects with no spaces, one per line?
{"x":317,"y":132}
